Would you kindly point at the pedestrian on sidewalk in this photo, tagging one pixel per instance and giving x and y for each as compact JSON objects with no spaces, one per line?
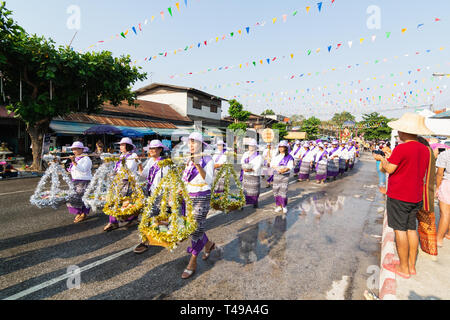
{"x":381,"y":175}
{"x":282,"y":164}
{"x":443,"y":194}
{"x":407,"y":168}
{"x":80,"y":170}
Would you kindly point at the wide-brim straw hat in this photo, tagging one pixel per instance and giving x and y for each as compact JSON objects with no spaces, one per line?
{"x":411,"y":123}
{"x":79,"y":145}
{"x":155,"y":144}
{"x":127,"y":140}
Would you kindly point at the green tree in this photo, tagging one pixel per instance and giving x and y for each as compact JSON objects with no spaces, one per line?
{"x":42,"y":81}
{"x":268,"y":112}
{"x":311,"y":127}
{"x":339,"y":118}
{"x":297,"y":120}
{"x":282,"y":130}
{"x":239,"y":115}
{"x":374,"y":127}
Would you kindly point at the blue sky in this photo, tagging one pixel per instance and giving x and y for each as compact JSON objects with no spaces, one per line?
{"x":321,"y":95}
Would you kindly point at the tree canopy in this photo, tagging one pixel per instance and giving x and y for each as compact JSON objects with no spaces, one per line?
{"x":239,"y":115}
{"x":339,"y":118}
{"x":42,"y":81}
{"x":311,"y":127}
{"x":268,"y":112}
{"x":282,"y":131}
{"x":375,"y":127}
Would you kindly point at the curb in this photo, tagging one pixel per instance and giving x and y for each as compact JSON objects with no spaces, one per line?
{"x":387,"y":283}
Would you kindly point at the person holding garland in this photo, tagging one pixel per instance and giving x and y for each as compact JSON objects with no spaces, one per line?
{"x":198,"y":176}
{"x":296,"y":154}
{"x":268,"y":155}
{"x":153,"y":174}
{"x":80,"y":170}
{"x":333,"y":160}
{"x":251,"y":163}
{"x":131,"y":161}
{"x":305,"y":163}
{"x":343,"y":159}
{"x":321,"y":163}
{"x":282,"y":164}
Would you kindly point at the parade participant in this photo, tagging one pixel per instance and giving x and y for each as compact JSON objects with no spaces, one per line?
{"x":351,"y":154}
{"x":343,"y":159}
{"x":268,"y":155}
{"x":251,"y":173}
{"x":333,"y":160}
{"x":321,"y":164}
{"x":219,"y":159}
{"x":131,"y":161}
{"x":296,"y":154}
{"x":80,"y":170}
{"x":305,"y":163}
{"x":198,"y":176}
{"x":282,"y":164}
{"x":153,"y":174}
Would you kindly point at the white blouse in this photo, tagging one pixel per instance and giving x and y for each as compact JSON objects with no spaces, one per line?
{"x":255,"y":164}
{"x":82,"y":170}
{"x":299,"y":153}
{"x":220,"y":158}
{"x":276,"y":162}
{"x":159,"y":175}
{"x":324,"y":158}
{"x":309,"y":157}
{"x":198,"y":184}
{"x":343,"y":153}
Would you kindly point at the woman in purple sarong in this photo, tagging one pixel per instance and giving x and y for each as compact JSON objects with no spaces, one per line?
{"x":80,"y":170}
{"x":321,"y":164}
{"x":333,"y":160}
{"x":251,"y":173}
{"x":282,"y":164}
{"x":198,"y":176}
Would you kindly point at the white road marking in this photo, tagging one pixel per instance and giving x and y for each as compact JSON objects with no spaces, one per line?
{"x":67,"y":275}
{"x":338,"y":290}
{"x":4,"y":194}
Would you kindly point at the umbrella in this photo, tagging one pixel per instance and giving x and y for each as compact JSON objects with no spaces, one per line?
{"x":103,"y":129}
{"x":131,"y":133}
{"x":439,"y":146}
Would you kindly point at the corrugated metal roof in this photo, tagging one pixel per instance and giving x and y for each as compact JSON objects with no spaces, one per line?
{"x":98,"y":119}
{"x":148,"y":108}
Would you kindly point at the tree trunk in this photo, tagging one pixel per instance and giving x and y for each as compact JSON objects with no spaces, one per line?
{"x":37,"y":132}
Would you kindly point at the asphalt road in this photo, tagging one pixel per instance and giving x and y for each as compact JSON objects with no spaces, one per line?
{"x":321,"y":249}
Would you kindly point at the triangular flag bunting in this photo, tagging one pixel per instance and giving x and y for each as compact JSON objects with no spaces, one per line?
{"x":185,"y":3}
{"x":170,"y":11}
{"x":388,"y":34}
{"x":284,"y":17}
{"x":162,"y":14}
{"x":361,"y":40}
{"x":307,"y":9}
{"x":373,"y":38}
{"x":295,"y":13}
{"x":319,"y":5}
{"x":123,"y":35}
{"x":178,"y":6}
{"x":309,"y":52}
{"x":274,"y":20}
{"x":403,"y":30}
{"x":248,"y":29}
{"x":350,"y":43}
{"x":329,"y":48}
{"x":232,"y":34}
{"x":134,"y":29}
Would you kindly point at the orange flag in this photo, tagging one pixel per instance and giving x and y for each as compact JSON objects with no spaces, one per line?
{"x":178,"y":6}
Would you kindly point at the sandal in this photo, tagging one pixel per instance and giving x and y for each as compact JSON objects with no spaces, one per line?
{"x":187,"y":273}
{"x":206,"y":254}
{"x":447,"y":236}
{"x":111,"y":227}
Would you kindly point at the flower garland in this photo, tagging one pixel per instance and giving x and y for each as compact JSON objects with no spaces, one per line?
{"x":227,"y":201}
{"x":167,"y":229}
{"x":55,"y":196}
{"x":122,"y":207}
{"x":96,"y":192}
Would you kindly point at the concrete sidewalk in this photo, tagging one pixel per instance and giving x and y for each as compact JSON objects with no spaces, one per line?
{"x":432,"y":281}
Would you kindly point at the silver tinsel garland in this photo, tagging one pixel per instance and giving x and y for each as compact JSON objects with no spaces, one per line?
{"x":95,"y":194}
{"x":56,"y":196}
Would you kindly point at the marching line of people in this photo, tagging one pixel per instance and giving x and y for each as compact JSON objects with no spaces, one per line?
{"x":274,"y":165}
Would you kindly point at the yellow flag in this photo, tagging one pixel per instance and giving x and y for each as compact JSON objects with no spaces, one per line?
{"x":307,"y":9}
{"x":318,"y":50}
{"x":260,"y":61}
{"x":240,"y":66}
{"x":274,"y":20}
{"x":361,"y":40}
{"x":239,"y":31}
{"x":292,"y":56}
{"x":403,"y":30}
{"x":178,"y":6}
{"x":217,"y":39}
{"x":153,"y":18}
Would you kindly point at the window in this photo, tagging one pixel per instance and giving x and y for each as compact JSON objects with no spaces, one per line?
{"x":214,"y":109}
{"x":197,"y":105}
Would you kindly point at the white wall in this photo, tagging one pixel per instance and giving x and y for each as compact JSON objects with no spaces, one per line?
{"x":178,"y":101}
{"x":205,"y":112}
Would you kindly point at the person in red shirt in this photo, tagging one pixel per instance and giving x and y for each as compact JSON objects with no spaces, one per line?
{"x":407,"y":167}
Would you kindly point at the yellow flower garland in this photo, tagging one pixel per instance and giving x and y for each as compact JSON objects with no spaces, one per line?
{"x":227,"y":201}
{"x":173,"y":190}
{"x":115,"y":201}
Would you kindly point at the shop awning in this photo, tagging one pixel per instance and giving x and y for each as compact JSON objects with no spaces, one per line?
{"x":69,"y":128}
{"x":142,"y":130}
{"x":164,"y":132}
{"x":296,"y":135}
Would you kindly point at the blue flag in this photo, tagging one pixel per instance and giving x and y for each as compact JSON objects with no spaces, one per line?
{"x":319,"y":5}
